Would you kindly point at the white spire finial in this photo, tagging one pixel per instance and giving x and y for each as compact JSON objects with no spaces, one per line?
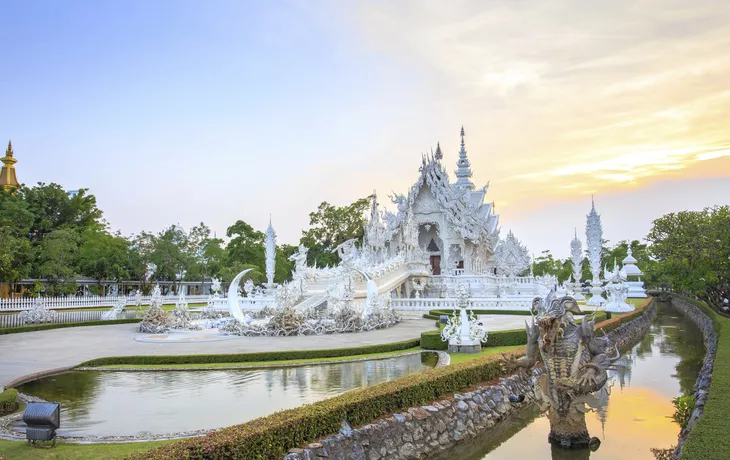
{"x":463,"y":173}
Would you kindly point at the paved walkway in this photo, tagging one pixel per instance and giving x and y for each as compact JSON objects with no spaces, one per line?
{"x":30,"y":352}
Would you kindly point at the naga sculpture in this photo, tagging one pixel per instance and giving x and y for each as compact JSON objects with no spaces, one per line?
{"x":575,"y":360}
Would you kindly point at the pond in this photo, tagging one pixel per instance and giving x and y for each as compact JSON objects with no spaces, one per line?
{"x":138,"y":403}
{"x":635,"y":415}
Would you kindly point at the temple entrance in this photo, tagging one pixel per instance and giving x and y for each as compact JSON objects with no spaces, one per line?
{"x":436,"y":265}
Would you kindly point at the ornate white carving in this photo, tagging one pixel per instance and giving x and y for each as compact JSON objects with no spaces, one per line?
{"x":38,"y":313}
{"x":463,"y":329}
{"x":511,"y":257}
{"x":116,"y":310}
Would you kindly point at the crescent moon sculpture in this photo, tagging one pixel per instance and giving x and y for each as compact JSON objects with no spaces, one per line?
{"x":233,"y":307}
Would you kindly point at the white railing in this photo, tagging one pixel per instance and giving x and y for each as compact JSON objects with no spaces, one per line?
{"x":59,"y":303}
{"x":12,"y":320}
{"x":489,"y":303}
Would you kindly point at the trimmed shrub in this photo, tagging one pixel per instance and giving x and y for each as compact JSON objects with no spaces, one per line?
{"x":43,"y":327}
{"x":8,"y":401}
{"x":251,"y":357}
{"x":273,"y":435}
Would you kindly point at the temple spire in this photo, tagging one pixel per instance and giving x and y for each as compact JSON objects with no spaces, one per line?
{"x":439,"y":155}
{"x":8,"y":179}
{"x":463,"y":173}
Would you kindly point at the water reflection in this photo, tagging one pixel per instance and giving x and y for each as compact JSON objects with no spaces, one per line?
{"x":132,"y":403}
{"x":630,"y":417}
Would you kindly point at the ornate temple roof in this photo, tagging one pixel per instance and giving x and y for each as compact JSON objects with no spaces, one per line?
{"x":463,"y":207}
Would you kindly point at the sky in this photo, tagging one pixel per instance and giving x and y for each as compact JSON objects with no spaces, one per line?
{"x":177,"y":112}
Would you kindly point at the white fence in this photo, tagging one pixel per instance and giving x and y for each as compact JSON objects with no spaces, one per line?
{"x":59,"y":303}
{"x":489,"y":303}
{"x":12,"y":320}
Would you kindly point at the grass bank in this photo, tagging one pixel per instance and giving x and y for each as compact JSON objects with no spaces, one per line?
{"x":19,"y":450}
{"x":708,"y":439}
{"x":266,"y":357}
{"x":254,"y":364}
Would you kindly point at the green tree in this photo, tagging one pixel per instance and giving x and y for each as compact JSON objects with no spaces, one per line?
{"x":331,"y":226}
{"x":104,"y":256}
{"x":246,"y":246}
{"x":53,"y":208}
{"x":692,"y":253}
{"x":167,"y":252}
{"x":284,"y":267}
{"x":16,"y":251}
{"x":57,"y":252}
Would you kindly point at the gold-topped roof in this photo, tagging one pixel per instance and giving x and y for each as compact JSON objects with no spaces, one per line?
{"x":8,"y":179}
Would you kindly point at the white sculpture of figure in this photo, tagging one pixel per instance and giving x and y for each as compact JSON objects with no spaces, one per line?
{"x":300,"y":261}
{"x":249,"y":288}
{"x":347,"y":252}
{"x":234,"y":308}
{"x":37,"y":313}
{"x":270,"y":244}
{"x":116,"y":310}
{"x":464,"y":333}
{"x":633,"y":277}
{"x":215,"y":286}
{"x":511,"y":257}
{"x":594,"y":240}
{"x":576,"y":259}
{"x":617,"y":291}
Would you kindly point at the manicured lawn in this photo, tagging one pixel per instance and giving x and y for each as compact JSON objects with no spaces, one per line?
{"x":19,"y":450}
{"x":457,"y":358}
{"x":259,"y":363}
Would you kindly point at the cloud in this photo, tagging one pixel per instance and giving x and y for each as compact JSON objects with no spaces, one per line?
{"x":599,"y":96}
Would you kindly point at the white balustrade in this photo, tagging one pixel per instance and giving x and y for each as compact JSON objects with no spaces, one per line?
{"x":59,"y":303}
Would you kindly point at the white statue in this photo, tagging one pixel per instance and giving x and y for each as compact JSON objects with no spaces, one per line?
{"x":116,"y":310}
{"x":215,"y":285}
{"x":37,"y":313}
{"x":464,"y":333}
{"x":248,"y":288}
{"x":300,"y":260}
{"x":347,"y":252}
{"x":617,"y":291}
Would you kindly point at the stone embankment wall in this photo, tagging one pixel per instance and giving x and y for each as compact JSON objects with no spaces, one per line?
{"x":424,"y":430}
{"x":702,"y":385}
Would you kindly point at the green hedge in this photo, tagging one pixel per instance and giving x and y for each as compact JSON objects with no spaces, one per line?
{"x":273,"y":435}
{"x":431,"y":340}
{"x":708,"y":439}
{"x":43,"y":327}
{"x":8,"y":401}
{"x":251,"y":357}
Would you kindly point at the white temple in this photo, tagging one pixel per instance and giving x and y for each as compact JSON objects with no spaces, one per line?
{"x":576,"y":259}
{"x":441,"y":234}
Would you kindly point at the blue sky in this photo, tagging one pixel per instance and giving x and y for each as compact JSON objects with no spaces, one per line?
{"x":181,"y":112}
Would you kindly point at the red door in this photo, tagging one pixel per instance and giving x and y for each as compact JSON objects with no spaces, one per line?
{"x":436,"y":265}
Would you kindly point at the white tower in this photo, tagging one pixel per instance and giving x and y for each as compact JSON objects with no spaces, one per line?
{"x":576,"y":257}
{"x":270,"y":244}
{"x":594,"y":240}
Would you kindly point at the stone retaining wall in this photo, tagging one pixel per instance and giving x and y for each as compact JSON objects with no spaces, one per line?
{"x":702,"y":385}
{"x":424,"y":430}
